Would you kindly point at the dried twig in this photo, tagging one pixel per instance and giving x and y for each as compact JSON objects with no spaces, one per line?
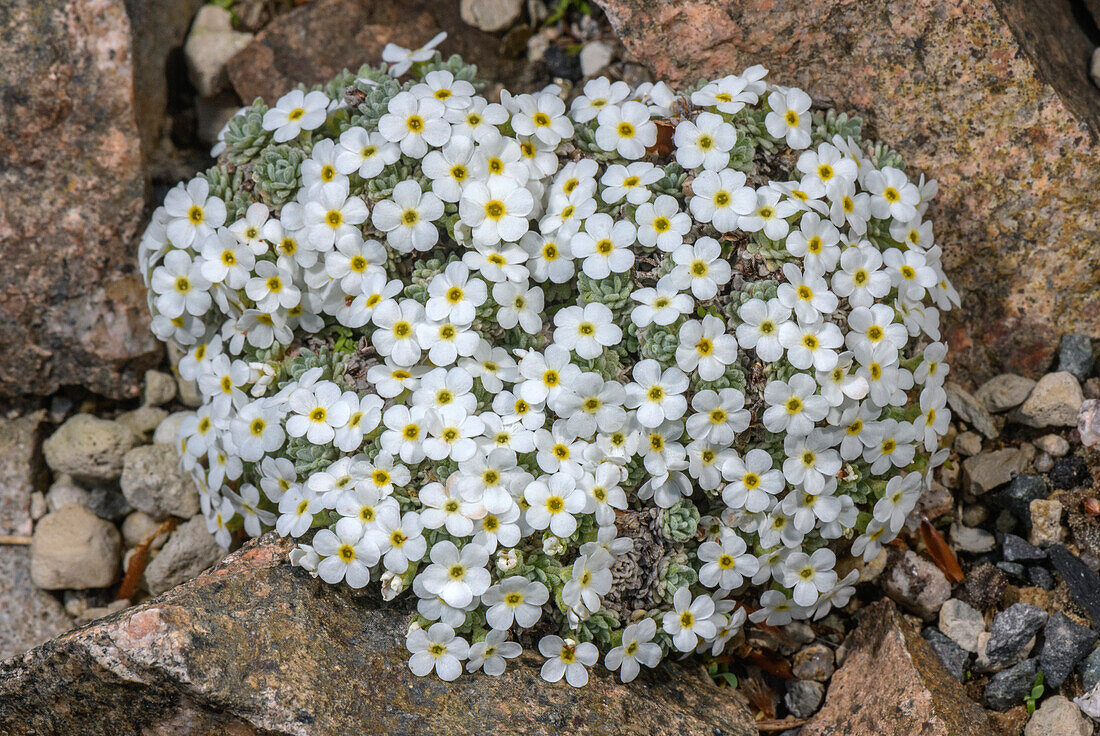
{"x":14,"y":539}
{"x":780,"y":725}
{"x":139,"y":559}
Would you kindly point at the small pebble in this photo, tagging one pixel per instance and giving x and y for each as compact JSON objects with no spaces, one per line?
{"x":1040,"y":577}
{"x":953,"y":657}
{"x":1004,"y":392}
{"x":1046,"y":523}
{"x":1017,"y":549}
{"x":968,"y":443}
{"x":1058,"y":716}
{"x":594,"y":57}
{"x":1053,"y":402}
{"x":962,"y":623}
{"x":814,"y":662}
{"x":804,"y":697}
{"x":1089,"y":669}
{"x":160,"y":388}
{"x":38,"y":505}
{"x":1066,"y":643}
{"x":1010,"y":687}
{"x":1012,"y":628}
{"x":1044,"y":462}
{"x":1075,"y":356}
{"x":1088,"y":423}
{"x":970,"y":539}
{"x":1053,"y":444}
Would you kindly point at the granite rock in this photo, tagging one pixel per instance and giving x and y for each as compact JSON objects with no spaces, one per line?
{"x":916,"y":584}
{"x":256,"y":646}
{"x":1075,"y":356}
{"x":893,"y":684}
{"x":990,"y":98}
{"x":74,"y":308}
{"x":1058,"y":716}
{"x":970,"y":410}
{"x":1012,"y":629}
{"x":28,"y":616}
{"x":21,"y":470}
{"x":988,"y":470}
{"x":1009,"y":687}
{"x":287,"y":53}
{"x":491,"y":15}
{"x":803,"y":697}
{"x":1066,"y":643}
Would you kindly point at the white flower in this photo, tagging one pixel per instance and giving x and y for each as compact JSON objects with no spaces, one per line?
{"x":719,"y":416}
{"x":519,"y":306}
{"x":729,"y":94}
{"x":793,"y":406}
{"x":661,"y":223}
{"x":405,"y":431}
{"x":892,"y":195}
{"x":752,"y":481}
{"x":568,"y":658}
{"x":705,"y":347}
{"x":514,"y":600}
{"x":180,"y":286}
{"x":815,"y":241}
{"x":436,"y":649}
{"x":398,"y":537}
{"x":297,"y":509}
{"x":662,"y":305}
{"x":542,"y":116}
{"x":909,"y":273}
{"x":860,"y":278}
{"x":727,"y":562}
{"x":256,"y":431}
{"x":811,"y":344}
{"x":590,"y":403}
{"x":630,"y":182}
{"x":456,"y":576}
{"x":408,"y":218}
{"x":317,"y":412}
{"x":478,"y":121}
{"x":366,"y":413}
{"x":444,"y":508}
{"x":544,"y":374}
{"x":769,"y":215}
{"x":550,"y":257}
{"x":396,"y":333}
{"x":809,"y":462}
{"x":414,"y":124}
{"x":689,"y":619}
{"x":489,"y":654}
{"x":554,"y":503}
{"x":656,"y":394}
{"x":598,"y":94}
{"x":829,"y":167}
{"x":294,"y":112}
{"x":441,"y":85}
{"x":331,"y":214}
{"x":451,"y":434}
{"x":722,"y":198}
{"x":705,"y":143}
{"x":496,"y":210}
{"x":452,"y":168}
{"x":625,"y":129}
{"x":637,"y":648}
{"x":363,"y":153}
{"x":605,"y":246}
{"x":809,"y":575}
{"x":345,"y":553}
{"x":454,"y":296}
{"x":192,"y":213}
{"x":701,"y":268}
{"x":790,"y":117}
{"x":586,"y":330}
{"x":759,"y":330}
{"x":590,"y":579}
{"x":401,"y":59}
{"x":806,"y":293}
{"x":249,"y":229}
{"x":902,"y":494}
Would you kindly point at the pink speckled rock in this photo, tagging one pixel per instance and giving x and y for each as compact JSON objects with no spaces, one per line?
{"x":951,"y":87}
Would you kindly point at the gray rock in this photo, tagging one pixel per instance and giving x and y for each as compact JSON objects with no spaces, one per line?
{"x":1016,"y":549}
{"x":190,"y":550}
{"x":1011,"y":630}
{"x":491,"y":15}
{"x":989,"y":470}
{"x":1004,"y":392}
{"x":153,"y":482}
{"x":38,"y":505}
{"x":1043,"y":462}
{"x":89,"y":448}
{"x":1010,"y":687}
{"x":143,"y":421}
{"x":804,"y":697}
{"x":28,"y":616}
{"x":1046,"y":522}
{"x":1088,"y":423}
{"x":1054,"y":445}
{"x":160,"y":388}
{"x":1089,"y":669}
{"x":970,"y":410}
{"x":1066,"y":643}
{"x":595,"y":56}
{"x":916,"y":584}
{"x":64,"y":492}
{"x":968,"y":443}
{"x":971,"y":539}
{"x":1013,"y":569}
{"x":1089,"y":703}
{"x":1040,"y":577}
{"x":1054,"y":402}
{"x":1075,"y":356}
{"x":1020,"y":493}
{"x":813,"y":662}
{"x":108,"y":503}
{"x":953,"y":657}
{"x":210,"y":45}
{"x":962,"y":623}
{"x":74,"y":548}
{"x":1082,"y":581}
{"x":1058,"y":716}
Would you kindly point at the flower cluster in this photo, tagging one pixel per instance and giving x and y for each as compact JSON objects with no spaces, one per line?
{"x":617,"y":375}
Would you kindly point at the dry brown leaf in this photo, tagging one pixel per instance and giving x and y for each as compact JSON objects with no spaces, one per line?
{"x":940,"y":552}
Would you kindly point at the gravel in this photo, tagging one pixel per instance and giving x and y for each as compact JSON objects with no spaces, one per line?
{"x":1066,"y":643}
{"x":1012,"y":629}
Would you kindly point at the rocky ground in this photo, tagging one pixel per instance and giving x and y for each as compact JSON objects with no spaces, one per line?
{"x":983,"y":618}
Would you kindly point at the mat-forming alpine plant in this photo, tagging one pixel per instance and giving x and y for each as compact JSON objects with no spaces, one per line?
{"x":612,"y":376}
